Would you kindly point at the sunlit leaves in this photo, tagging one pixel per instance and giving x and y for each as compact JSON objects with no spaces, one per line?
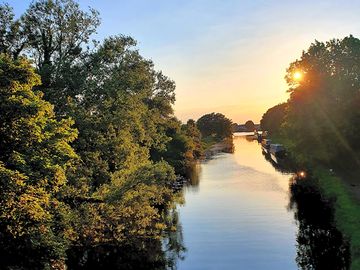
{"x":35,"y":153}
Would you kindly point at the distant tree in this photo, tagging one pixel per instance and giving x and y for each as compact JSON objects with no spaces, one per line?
{"x":215,"y":125}
{"x":194,"y":133}
{"x":234,"y":127}
{"x":272,"y":120}
{"x":250,"y":126}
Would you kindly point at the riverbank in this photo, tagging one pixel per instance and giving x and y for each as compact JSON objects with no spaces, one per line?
{"x":344,"y":190}
{"x":347,"y":210}
{"x":225,"y":146}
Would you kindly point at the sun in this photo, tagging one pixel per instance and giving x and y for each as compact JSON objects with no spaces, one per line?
{"x":297,"y":75}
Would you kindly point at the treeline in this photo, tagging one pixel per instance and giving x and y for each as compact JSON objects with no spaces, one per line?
{"x":249,"y":126}
{"x":320,"y":121}
{"x":89,"y":145}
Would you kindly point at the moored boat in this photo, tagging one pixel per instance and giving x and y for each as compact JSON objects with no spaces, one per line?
{"x":277,"y":152}
{"x":265,"y":145}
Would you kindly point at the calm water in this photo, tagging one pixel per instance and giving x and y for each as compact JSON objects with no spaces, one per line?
{"x":239,"y":213}
{"x":242,"y":214}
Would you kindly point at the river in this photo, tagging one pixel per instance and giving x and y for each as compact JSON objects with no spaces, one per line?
{"x":243,"y":213}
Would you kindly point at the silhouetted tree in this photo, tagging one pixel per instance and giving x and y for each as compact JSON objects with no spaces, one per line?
{"x":323,"y":109}
{"x":215,"y":125}
{"x":250,"y":126}
{"x":272,"y":120}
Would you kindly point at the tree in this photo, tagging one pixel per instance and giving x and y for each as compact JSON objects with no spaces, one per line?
{"x":215,"y":125}
{"x":114,"y":191}
{"x":250,"y":126}
{"x":183,"y":147}
{"x":118,"y":192}
{"x":56,"y":30}
{"x":323,"y":116}
{"x":192,"y":131}
{"x":12,"y":37}
{"x":35,"y":154}
{"x":274,"y":117}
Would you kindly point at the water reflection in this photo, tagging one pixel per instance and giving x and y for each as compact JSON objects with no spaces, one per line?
{"x":285,"y":166}
{"x":193,"y":172}
{"x":238,"y":220}
{"x":151,"y":254}
{"x":319,"y":244}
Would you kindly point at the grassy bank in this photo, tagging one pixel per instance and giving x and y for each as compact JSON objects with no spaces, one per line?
{"x":347,"y":211}
{"x":208,"y":142}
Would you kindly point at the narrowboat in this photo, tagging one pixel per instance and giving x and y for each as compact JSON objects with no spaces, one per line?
{"x":277,"y":152}
{"x":265,"y":145}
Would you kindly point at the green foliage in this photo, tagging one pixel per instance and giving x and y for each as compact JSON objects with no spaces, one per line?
{"x":320,"y":125}
{"x":323,"y":107}
{"x":54,"y":34}
{"x":347,"y":211}
{"x":274,"y":117}
{"x":184,"y":145}
{"x":116,"y":189}
{"x":192,"y":131}
{"x":35,"y":154}
{"x":207,"y":142}
{"x":215,"y":125}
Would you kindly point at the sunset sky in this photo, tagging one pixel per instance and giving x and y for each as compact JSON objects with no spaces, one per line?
{"x":224,"y":55}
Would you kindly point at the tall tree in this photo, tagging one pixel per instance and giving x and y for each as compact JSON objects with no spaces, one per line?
{"x":12,"y":36}
{"x":118,"y":193}
{"x":57,"y":31}
{"x":273,"y":118}
{"x":323,"y":105}
{"x":35,"y":153}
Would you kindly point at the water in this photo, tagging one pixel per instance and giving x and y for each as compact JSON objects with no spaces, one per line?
{"x":241,"y":211}
{"x":243,"y":214}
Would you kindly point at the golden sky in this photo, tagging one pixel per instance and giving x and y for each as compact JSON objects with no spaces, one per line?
{"x":227,"y":56}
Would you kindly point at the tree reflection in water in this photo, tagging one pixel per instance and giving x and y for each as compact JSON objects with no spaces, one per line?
{"x":193,"y":171}
{"x":319,"y":244}
{"x":151,"y":254}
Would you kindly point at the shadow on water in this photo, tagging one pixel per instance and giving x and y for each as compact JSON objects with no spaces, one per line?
{"x":151,"y":254}
{"x":319,"y":244}
{"x":284,"y":165}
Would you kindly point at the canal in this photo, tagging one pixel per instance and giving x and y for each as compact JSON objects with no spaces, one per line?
{"x":243,"y":213}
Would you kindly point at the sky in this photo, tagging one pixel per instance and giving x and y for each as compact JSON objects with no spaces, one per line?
{"x":227,"y":56}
